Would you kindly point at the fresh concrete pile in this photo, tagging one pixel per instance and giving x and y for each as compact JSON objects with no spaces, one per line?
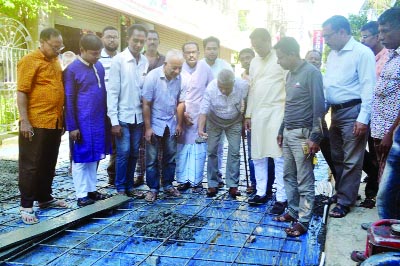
{"x":167,"y":223}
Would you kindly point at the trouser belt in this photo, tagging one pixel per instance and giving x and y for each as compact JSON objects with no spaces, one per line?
{"x":351,"y":103}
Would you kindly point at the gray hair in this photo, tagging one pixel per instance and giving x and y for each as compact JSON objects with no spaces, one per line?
{"x":174,"y":53}
{"x":226,"y":76}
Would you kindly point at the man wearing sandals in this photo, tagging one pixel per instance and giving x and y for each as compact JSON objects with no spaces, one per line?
{"x":348,"y":81}
{"x":163,"y":106}
{"x":301,"y":132}
{"x":40,"y":99}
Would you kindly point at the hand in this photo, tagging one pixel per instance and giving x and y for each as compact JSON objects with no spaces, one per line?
{"x":203,"y":134}
{"x":75,"y":135}
{"x":386,"y":144}
{"x":359,"y":129}
{"x":247,"y":124}
{"x":279,"y":139}
{"x":312,"y":147}
{"x":179,"y":130}
{"x":188,"y":119}
{"x":26,"y":130}
{"x":148,"y":134}
{"x":116,"y":131}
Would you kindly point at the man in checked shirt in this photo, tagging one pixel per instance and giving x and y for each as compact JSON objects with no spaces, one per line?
{"x":222,"y":108}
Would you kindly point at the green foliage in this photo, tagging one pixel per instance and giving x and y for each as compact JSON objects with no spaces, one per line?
{"x":28,"y":9}
{"x":356,"y":22}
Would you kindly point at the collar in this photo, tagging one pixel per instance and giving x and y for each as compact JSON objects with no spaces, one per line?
{"x":104,"y":54}
{"x":39,"y":54}
{"x":303,"y":63}
{"x":129,"y":57}
{"x":162,"y":74}
{"x":394,"y":52}
{"x":84,"y":62}
{"x":349,"y":45}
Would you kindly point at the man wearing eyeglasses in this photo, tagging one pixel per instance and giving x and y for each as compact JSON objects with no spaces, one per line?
{"x":124,"y":107}
{"x":40,"y":99}
{"x":349,"y":81}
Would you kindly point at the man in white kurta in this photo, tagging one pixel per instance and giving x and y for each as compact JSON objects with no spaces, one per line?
{"x":264,"y":114}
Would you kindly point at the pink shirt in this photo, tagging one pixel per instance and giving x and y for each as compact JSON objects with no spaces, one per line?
{"x":380,"y":60}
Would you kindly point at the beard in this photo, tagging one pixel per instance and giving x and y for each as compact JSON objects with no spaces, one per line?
{"x":110,"y":48}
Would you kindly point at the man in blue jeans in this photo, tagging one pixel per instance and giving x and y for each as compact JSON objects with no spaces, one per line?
{"x":163,"y":109}
{"x":127,"y":73}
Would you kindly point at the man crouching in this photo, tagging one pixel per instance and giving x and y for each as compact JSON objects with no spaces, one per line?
{"x":222,"y":107}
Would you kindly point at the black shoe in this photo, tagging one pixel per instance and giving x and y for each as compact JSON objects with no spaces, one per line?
{"x":212,"y":192}
{"x":258,"y":200}
{"x":85,"y":201}
{"x":96,"y":195}
{"x":183,"y":186}
{"x":368,"y":203}
{"x":278,"y":208}
{"x":221,"y":184}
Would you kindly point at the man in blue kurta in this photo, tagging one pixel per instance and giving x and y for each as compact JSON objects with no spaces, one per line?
{"x":86,"y":116}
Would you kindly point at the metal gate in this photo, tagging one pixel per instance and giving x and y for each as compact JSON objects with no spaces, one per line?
{"x":15,"y":42}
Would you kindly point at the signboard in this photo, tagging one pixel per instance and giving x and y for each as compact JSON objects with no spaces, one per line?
{"x":318,"y":41}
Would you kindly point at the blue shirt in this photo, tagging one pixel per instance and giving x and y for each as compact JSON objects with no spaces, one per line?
{"x":350,"y":74}
{"x":164,"y":95}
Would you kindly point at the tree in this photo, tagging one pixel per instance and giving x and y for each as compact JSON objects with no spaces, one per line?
{"x":29,"y":9}
{"x":356,"y":22}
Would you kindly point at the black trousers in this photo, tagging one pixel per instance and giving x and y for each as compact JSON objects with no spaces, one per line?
{"x":37,"y":162}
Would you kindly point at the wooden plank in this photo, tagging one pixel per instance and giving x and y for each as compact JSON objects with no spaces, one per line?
{"x":23,"y":235}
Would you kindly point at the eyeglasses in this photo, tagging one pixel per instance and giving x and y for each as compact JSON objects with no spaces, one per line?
{"x":55,"y":49}
{"x":111,"y":37}
{"x":327,"y":36}
{"x":191,"y":52}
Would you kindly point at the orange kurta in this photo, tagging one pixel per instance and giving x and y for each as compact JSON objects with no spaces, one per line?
{"x":41,"y":80}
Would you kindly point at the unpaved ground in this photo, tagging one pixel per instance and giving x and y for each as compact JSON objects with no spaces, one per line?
{"x":345,"y":235}
{"x":8,"y":178}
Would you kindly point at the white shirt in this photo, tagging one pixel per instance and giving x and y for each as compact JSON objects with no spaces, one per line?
{"x":225,"y":107}
{"x":350,"y":74}
{"x":105,"y":60}
{"x":124,"y":89}
{"x":218,"y":65}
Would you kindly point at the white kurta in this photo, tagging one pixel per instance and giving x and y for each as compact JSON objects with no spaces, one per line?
{"x":265,"y":105}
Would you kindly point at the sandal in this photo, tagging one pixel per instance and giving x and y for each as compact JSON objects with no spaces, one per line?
{"x":284,"y":218}
{"x":339,"y":211}
{"x":296,"y":230}
{"x":150,"y":196}
{"x":358,"y":256}
{"x":368,"y":203}
{"x":330,"y":200}
{"x":54,"y":203}
{"x":28,"y":217}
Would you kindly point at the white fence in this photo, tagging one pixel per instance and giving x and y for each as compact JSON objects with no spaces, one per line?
{"x":9,"y":58}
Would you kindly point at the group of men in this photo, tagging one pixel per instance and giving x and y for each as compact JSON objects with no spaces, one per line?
{"x":179,"y":109}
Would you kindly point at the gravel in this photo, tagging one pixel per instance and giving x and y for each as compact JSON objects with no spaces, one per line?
{"x":8,"y":179}
{"x":167,"y":223}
